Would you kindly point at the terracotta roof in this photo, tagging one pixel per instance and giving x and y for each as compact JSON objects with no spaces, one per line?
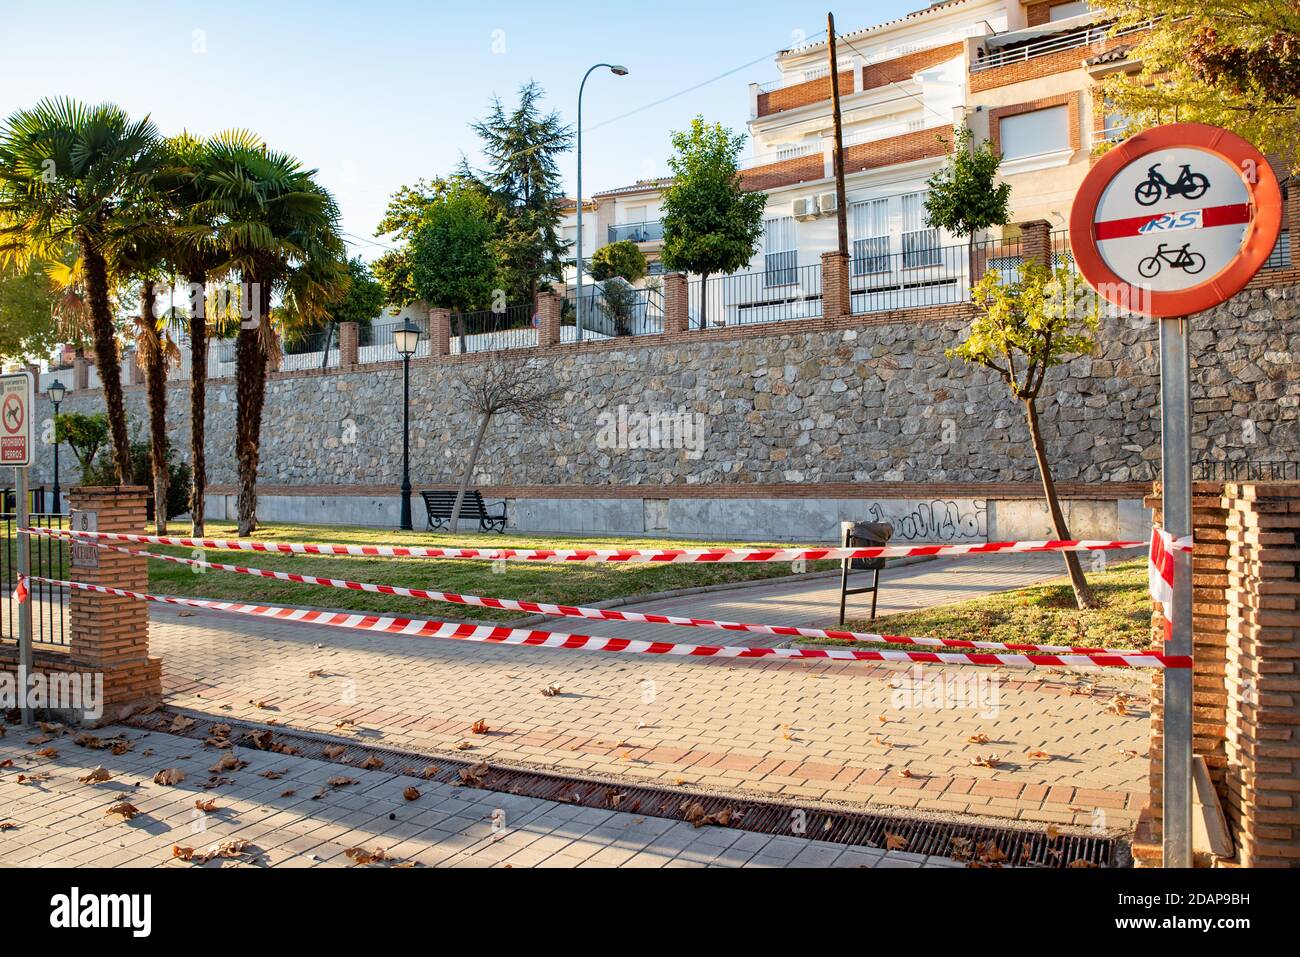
{"x":640,"y":186}
{"x":853,"y":35}
{"x":1113,"y":55}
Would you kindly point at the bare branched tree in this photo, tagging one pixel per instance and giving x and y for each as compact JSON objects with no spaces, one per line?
{"x":506,"y":384}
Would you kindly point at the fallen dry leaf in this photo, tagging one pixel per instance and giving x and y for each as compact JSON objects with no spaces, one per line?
{"x":372,"y":763}
{"x":464,"y":746}
{"x":169,"y":777}
{"x":182,"y":723}
{"x":980,"y":738}
{"x":128,"y":811}
{"x":411,"y":793}
{"x":895,"y":842}
{"x":271,"y":775}
{"x":228,"y":762}
{"x":332,"y":751}
{"x":550,"y":691}
{"x":1039,"y":755}
{"x":985,"y":761}
{"x":479,"y":727}
{"x":46,"y":753}
{"x":97,"y":776}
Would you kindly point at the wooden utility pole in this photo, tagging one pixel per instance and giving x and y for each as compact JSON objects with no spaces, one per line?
{"x":841,"y":207}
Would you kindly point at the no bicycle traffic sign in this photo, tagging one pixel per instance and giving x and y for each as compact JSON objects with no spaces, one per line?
{"x":1175,"y":220}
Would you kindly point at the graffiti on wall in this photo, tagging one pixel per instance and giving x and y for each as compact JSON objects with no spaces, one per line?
{"x":937,"y":520}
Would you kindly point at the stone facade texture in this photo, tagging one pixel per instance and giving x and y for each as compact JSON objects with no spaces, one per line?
{"x":855,"y":400}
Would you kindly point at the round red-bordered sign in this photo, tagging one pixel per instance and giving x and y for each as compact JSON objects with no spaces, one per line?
{"x":1175,"y":220}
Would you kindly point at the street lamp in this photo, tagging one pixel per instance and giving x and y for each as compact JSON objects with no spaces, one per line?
{"x":55,"y":391}
{"x":617,"y":71}
{"x":406,"y":338}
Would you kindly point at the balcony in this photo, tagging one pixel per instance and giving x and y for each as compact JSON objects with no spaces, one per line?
{"x":648,"y":232}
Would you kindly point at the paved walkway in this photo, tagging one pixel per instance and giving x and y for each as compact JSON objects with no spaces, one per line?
{"x":1031,"y":745}
{"x":50,"y":818}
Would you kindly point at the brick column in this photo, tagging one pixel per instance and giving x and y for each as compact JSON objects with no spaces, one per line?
{"x":439,"y":331}
{"x":80,"y":374}
{"x":109,"y":634}
{"x":548,"y":313}
{"x":1263,"y":672}
{"x":835,"y":285}
{"x":1209,"y":640}
{"x":1036,"y":241}
{"x":677,"y":305}
{"x":134,"y":374}
{"x":349,"y":344}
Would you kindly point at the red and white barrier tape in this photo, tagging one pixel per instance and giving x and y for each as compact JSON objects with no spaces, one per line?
{"x":494,"y":634}
{"x":609,"y":614}
{"x":595,"y":555}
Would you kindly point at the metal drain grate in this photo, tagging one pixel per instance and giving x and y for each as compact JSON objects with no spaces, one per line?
{"x":979,"y":843}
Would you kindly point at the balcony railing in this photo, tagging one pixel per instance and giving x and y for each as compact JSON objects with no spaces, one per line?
{"x":1086,"y":36}
{"x":870,"y":255}
{"x":921,"y":248}
{"x":647,"y":232}
{"x":783,"y":293}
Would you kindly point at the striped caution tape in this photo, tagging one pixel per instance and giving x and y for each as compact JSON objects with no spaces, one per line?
{"x":494,"y":634}
{"x":608,"y":614}
{"x":597,"y":555}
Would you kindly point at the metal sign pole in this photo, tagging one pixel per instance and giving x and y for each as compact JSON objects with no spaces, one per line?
{"x":23,"y":543}
{"x":1176,"y":502}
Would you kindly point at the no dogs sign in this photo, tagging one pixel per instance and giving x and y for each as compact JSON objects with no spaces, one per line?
{"x":16,"y":401}
{"x":1175,"y":220}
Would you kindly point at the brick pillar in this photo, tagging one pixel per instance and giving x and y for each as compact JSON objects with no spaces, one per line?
{"x":1209,"y":641}
{"x":835,"y":285}
{"x":1263,"y":672}
{"x":134,"y":374}
{"x":349,"y":344}
{"x":439,"y":331}
{"x":677,"y":305}
{"x":1036,"y":241}
{"x":80,"y":374}
{"x":109,"y":634}
{"x":548,"y":312}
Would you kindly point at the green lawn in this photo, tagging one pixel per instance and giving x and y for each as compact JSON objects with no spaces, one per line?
{"x":1040,"y":615}
{"x":567,"y":584}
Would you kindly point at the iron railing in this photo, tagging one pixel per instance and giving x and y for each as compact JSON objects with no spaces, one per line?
{"x":487,"y":330}
{"x":1086,"y":36}
{"x":49,"y":559}
{"x":1246,"y":471}
{"x":614,"y":309}
{"x":376,"y":342}
{"x":784,"y":293}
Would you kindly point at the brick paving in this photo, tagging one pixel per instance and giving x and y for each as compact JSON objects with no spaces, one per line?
{"x":815,"y":731}
{"x":56,"y":820}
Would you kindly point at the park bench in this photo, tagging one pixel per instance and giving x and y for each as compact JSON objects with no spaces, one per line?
{"x":440,"y":503}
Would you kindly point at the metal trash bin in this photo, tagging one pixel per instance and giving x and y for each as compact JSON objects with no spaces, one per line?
{"x":863,"y":535}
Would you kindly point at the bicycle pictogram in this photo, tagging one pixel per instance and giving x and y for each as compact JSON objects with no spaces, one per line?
{"x":1180,"y":258}
{"x":1155,"y":187}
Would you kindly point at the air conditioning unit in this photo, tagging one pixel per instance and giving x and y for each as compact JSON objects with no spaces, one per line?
{"x":827,"y":202}
{"x":805,"y":208}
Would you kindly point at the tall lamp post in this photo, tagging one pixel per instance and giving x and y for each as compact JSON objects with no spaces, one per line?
{"x":617,"y":71}
{"x":55,"y":392}
{"x":406,"y":338}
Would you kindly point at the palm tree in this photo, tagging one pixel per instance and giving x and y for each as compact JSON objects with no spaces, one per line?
{"x":279,"y":231}
{"x":195,"y":254}
{"x":66,"y":171}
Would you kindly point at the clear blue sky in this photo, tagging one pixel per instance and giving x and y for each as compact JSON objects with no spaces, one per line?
{"x":379,"y":93}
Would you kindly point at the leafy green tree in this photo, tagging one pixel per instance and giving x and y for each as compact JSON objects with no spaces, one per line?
{"x":402,"y":219}
{"x":28,"y":325}
{"x":523,"y":178}
{"x":453,"y":263}
{"x":84,"y":434}
{"x":1021,"y":330}
{"x":66,"y":172}
{"x":364,"y":297}
{"x":622,"y":258}
{"x":1229,"y":63}
{"x":711,"y":224}
{"x":964,"y":195}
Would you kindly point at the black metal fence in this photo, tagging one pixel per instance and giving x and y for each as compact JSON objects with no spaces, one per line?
{"x":779,"y":294}
{"x":49,"y":559}
{"x":1246,"y":471}
{"x":487,"y":330}
{"x":376,"y":342}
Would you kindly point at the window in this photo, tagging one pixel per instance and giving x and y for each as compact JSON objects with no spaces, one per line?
{"x":870,"y":222}
{"x":1035,"y":133}
{"x":1113,"y":122}
{"x":1062,"y":11}
{"x":920,"y":242}
{"x":635,"y":214}
{"x":780,"y":254}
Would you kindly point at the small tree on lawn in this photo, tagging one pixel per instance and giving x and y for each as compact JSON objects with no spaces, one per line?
{"x":84,"y":434}
{"x":710,"y":223}
{"x":1020,"y":331}
{"x":964,"y":196}
{"x":506,"y":385}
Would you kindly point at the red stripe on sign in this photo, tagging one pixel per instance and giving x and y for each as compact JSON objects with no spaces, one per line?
{"x":1211,"y":216}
